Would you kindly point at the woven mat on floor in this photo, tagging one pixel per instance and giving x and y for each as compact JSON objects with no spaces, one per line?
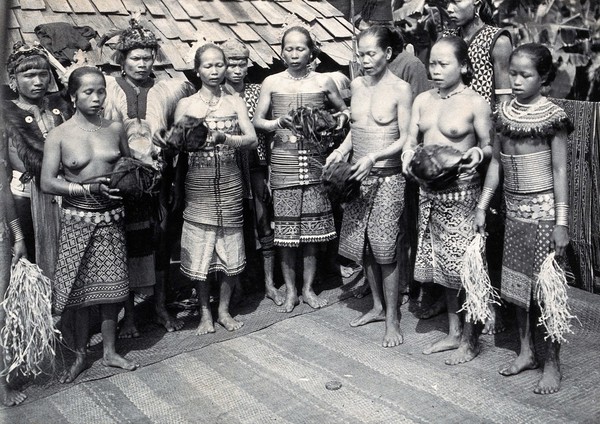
{"x":279,"y":375}
{"x":155,"y":344}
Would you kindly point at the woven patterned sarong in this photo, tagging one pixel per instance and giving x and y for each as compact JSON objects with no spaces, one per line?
{"x":302,"y":215}
{"x":372,"y":221}
{"x":92,"y":259}
{"x":445,"y":231}
{"x":527,"y":242}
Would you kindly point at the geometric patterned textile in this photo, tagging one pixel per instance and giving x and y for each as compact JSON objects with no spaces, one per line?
{"x":371,"y":222}
{"x":583,"y":168}
{"x":302,"y":215}
{"x":92,"y":263}
{"x":527,"y":242}
{"x":480,"y":53}
{"x":445,"y":232}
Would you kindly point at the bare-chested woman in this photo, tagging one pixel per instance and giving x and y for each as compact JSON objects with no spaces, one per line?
{"x":303,"y":216}
{"x":92,"y":264}
{"x":450,"y":115}
{"x":371,"y":224}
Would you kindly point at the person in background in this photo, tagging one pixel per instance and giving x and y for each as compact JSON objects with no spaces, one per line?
{"x":371,"y":223}
{"x":237,"y":68}
{"x":145,"y":105}
{"x":91,"y":268}
{"x":303,"y":216}
{"x":27,"y":121}
{"x":455,"y":116}
{"x":11,"y":237}
{"x":531,"y":152}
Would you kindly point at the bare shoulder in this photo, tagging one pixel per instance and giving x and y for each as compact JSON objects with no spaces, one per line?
{"x":400,"y":86}
{"x":502,"y":46}
{"x":357,"y":82}
{"x":114,"y":125}
{"x":476,"y":100}
{"x":270,"y":82}
{"x":423,"y":98}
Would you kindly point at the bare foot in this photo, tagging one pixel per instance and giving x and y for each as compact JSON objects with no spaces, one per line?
{"x":429,"y":312}
{"x":291,"y":301}
{"x":550,"y":381}
{"x":163,"y":318}
{"x":117,"y":361}
{"x":206,"y":324}
{"x":393,"y":335}
{"x":465,"y":353}
{"x":349,"y":271}
{"x":77,"y":368}
{"x":314,"y":301}
{"x":495,"y":324}
{"x":447,"y":343}
{"x":275,"y":295}
{"x":229,"y":322}
{"x":128,"y":329}
{"x":10,"y":397}
{"x":521,"y":363}
{"x":373,"y":315}
{"x":362,"y":290}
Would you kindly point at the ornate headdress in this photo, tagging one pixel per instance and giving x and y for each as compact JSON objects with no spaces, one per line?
{"x":136,"y":37}
{"x":21,"y":52}
{"x":235,"y":49}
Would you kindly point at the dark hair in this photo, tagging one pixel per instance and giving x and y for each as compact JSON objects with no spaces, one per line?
{"x":542,"y":60}
{"x":486,"y":12}
{"x":77,"y":75}
{"x":310,"y":42}
{"x":32,"y":62}
{"x":200,"y":51}
{"x":461,"y":52}
{"x":386,"y":36}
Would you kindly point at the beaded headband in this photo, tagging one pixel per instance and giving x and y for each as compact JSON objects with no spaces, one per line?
{"x":21,"y":52}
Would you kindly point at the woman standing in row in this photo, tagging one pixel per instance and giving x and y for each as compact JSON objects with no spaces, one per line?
{"x":92,"y":265}
{"x":303,"y":216}
{"x":450,"y":115}
{"x":371,"y":223}
{"x":212,"y":238}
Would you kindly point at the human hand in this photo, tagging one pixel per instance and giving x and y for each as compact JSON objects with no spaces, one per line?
{"x":406,"y":158}
{"x":101,"y":186}
{"x":341,"y":118}
{"x":560,"y":237}
{"x":19,"y":251}
{"x":286,"y":122}
{"x":479,"y":222}
{"x":335,"y":156}
{"x":361,"y":169}
{"x":471,"y":158}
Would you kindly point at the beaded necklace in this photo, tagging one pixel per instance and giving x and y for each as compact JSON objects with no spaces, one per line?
{"x":290,"y":76}
{"x":211,"y":103}
{"x":93,"y":129}
{"x":454,"y":93}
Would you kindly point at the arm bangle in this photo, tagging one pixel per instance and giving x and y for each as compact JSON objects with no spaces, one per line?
{"x":347,"y":113}
{"x":485,"y":198}
{"x":561,"y":212}
{"x":76,"y":189}
{"x":15,"y":228}
{"x":480,"y":152}
{"x":403,"y":155}
{"x":234,"y":141}
{"x":502,"y":91}
{"x":338,"y":151}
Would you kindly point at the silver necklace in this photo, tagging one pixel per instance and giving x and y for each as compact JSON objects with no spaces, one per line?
{"x":211,"y":103}
{"x":290,"y":76}
{"x":93,"y":129}
{"x":447,"y":96}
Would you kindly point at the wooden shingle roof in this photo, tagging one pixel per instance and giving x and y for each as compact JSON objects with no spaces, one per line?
{"x":180,"y":23}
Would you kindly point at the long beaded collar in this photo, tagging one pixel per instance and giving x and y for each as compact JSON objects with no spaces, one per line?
{"x":542,"y":119}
